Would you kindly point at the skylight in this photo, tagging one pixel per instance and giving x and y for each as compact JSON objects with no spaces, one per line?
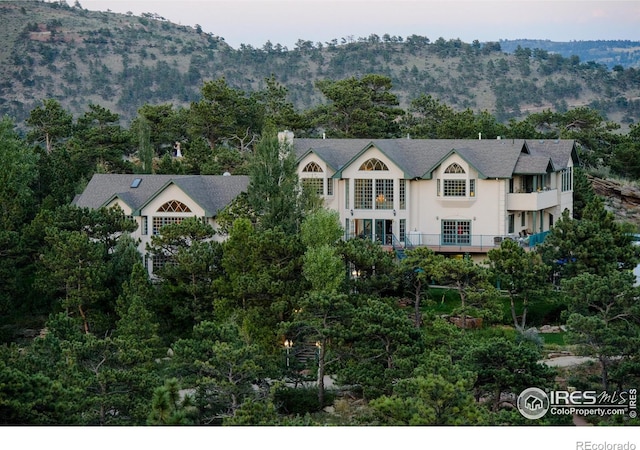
{"x":136,"y":182}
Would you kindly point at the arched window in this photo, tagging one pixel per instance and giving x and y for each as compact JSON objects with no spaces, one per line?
{"x":454,"y":168}
{"x":312,"y":167}
{"x":373,"y":164}
{"x":174,"y":206}
{"x":456,"y":183}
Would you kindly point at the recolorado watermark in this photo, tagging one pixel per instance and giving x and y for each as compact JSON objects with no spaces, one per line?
{"x":534,"y":403}
{"x":589,"y":445}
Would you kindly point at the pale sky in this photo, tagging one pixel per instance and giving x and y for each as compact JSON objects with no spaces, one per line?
{"x":254,"y":22}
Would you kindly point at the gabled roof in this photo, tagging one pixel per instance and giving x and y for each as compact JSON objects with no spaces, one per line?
{"x":335,"y":152}
{"x":210,"y":192}
{"x":561,"y":151}
{"x":533,"y":165}
{"x":418,"y":158}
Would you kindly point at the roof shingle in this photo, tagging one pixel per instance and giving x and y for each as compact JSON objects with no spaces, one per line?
{"x":211,"y":192}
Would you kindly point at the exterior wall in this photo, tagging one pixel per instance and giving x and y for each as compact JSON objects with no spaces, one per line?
{"x":330,"y":201}
{"x":484,"y":210}
{"x":566,"y":198}
{"x":172,"y":192}
{"x":388,"y":218}
{"x":486,"y":215}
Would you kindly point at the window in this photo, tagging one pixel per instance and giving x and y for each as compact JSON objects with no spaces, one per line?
{"x":315,"y":185}
{"x":512,"y":224}
{"x":363,"y":195}
{"x":174,"y":206}
{"x":402,"y":194}
{"x":346,"y":193}
{"x":403,"y":229}
{"x":384,"y":194}
{"x":455,"y":188}
{"x":312,"y":167}
{"x":158,"y":262}
{"x":455,"y":183}
{"x":456,"y":232}
{"x":145,"y":225}
{"x":159,"y":222}
{"x":523,"y":218}
{"x":454,"y":168}
{"x":329,"y":186}
{"x":567,"y":179}
{"x":373,"y":164}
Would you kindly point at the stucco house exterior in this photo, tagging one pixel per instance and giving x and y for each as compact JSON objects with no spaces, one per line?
{"x":454,"y":196}
{"x":157,"y":200}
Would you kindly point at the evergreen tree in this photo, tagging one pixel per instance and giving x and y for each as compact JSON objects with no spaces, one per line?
{"x":274,"y":190}
{"x":50,"y":125}
{"x":358,"y":108}
{"x":522,"y":274}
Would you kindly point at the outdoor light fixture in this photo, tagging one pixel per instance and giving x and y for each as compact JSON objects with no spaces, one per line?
{"x":288,"y":344}
{"x":394,"y":212}
{"x":352,"y":212}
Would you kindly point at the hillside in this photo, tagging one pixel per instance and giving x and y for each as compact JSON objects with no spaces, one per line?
{"x":610,"y":53}
{"x":123,"y":61}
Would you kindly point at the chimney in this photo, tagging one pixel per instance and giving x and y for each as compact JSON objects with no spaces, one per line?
{"x":285,"y":137}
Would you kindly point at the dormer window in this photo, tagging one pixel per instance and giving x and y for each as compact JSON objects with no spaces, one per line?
{"x":174,"y":206}
{"x":455,"y":188}
{"x":455,"y":182}
{"x":454,"y":168}
{"x":313,"y":167}
{"x":314,"y":181}
{"x":373,"y":164}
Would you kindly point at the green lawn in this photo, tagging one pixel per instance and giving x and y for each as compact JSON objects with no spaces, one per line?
{"x":542,"y":311}
{"x":556,"y":339}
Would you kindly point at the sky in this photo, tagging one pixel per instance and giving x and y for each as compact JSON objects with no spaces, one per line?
{"x":254,"y":22}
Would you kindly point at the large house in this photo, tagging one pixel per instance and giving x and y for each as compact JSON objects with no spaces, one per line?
{"x":157,"y":200}
{"x":454,"y":196}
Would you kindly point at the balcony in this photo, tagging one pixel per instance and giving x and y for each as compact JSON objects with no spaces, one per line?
{"x":458,"y":243}
{"x":532,"y":201}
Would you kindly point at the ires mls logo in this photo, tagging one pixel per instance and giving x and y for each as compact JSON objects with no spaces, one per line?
{"x":534,"y":403}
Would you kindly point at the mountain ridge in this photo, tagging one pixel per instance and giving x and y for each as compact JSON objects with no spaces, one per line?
{"x":123,"y":61}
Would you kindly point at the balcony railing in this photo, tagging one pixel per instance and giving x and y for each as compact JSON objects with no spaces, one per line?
{"x":455,"y":243}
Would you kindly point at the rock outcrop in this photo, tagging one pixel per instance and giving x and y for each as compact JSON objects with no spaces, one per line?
{"x":623,"y":200}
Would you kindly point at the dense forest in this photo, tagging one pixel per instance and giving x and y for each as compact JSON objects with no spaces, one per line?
{"x":76,"y":56}
{"x":247,"y":331}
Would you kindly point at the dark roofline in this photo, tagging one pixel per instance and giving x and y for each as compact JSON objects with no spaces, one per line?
{"x":138,"y":212}
{"x":428,"y":175}
{"x":366,"y":148}
{"x":312,"y":150}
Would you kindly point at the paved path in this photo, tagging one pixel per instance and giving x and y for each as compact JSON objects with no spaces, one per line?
{"x":580,"y":421}
{"x":566,"y":361}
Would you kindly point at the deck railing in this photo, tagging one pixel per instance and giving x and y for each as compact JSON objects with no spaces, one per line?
{"x":456,"y":242}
